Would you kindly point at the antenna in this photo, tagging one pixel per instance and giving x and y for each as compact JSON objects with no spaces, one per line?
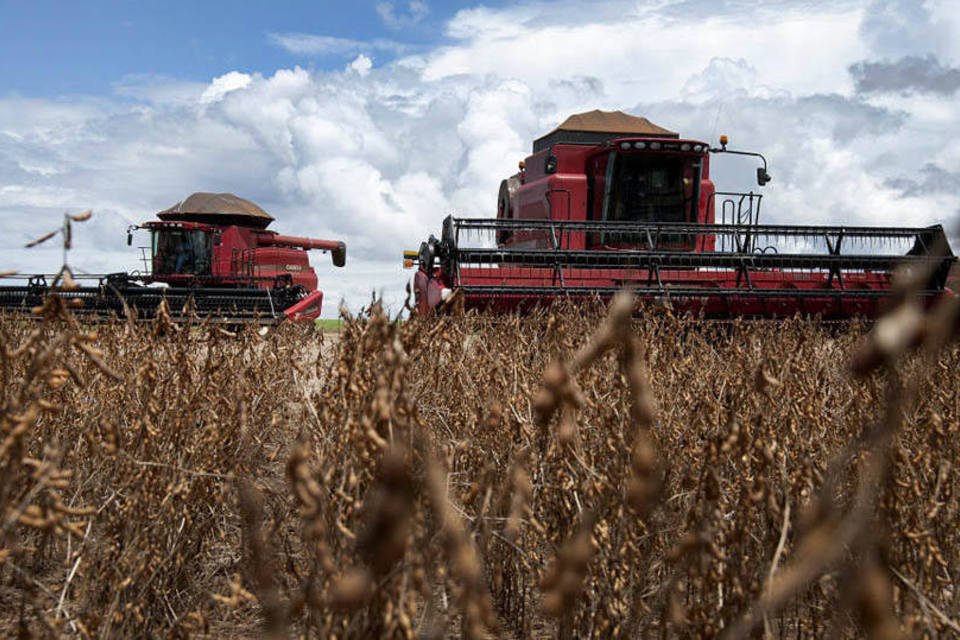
{"x":716,"y":121}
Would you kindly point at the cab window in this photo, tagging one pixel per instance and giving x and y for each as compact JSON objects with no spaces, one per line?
{"x":181,"y":252}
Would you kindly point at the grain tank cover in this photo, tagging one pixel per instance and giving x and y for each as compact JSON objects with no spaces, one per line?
{"x":596,"y":127}
{"x":219,"y":209}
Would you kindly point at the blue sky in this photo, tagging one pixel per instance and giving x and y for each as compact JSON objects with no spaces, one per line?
{"x":52,"y":49}
{"x":370,"y":121}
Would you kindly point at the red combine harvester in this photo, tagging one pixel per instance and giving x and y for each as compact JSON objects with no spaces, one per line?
{"x":209,"y":255}
{"x":609,"y":200}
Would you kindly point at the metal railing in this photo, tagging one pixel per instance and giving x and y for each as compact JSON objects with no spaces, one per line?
{"x":741,"y":209}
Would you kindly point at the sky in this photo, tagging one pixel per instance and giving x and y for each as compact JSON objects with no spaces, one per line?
{"x":370,"y":121}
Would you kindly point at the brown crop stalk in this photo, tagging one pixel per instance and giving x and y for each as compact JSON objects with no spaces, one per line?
{"x":574,"y":471}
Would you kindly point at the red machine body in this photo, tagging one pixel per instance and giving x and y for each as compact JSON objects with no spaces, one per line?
{"x":595,"y":209}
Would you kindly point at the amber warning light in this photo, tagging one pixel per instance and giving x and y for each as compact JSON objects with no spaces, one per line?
{"x":409,"y":259}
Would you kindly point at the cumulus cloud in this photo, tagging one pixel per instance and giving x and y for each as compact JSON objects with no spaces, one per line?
{"x":378,"y":154}
{"x":223,"y":85}
{"x":361,"y":65}
{"x":911,"y":74}
{"x":647,"y":52}
{"x":902,"y":27}
{"x":931,"y":178}
{"x":724,"y":79}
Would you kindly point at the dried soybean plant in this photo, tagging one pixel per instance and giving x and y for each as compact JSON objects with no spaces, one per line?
{"x":855,"y":540}
{"x":751,"y":416}
{"x":121,"y":453}
{"x":564,"y":578}
{"x":479,"y":476}
{"x":36,"y":504}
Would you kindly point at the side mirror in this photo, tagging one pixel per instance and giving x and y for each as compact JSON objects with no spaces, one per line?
{"x":762,"y":176}
{"x":129,"y":238}
{"x":339,"y":255}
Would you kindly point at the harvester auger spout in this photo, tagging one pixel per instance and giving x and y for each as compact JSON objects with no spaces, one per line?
{"x":609,"y":201}
{"x":210,"y":255}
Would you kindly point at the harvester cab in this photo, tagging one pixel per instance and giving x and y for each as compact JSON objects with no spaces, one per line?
{"x":181,"y":250}
{"x":608,"y":200}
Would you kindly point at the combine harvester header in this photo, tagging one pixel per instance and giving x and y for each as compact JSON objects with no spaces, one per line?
{"x":608,"y":200}
{"x":209,"y":255}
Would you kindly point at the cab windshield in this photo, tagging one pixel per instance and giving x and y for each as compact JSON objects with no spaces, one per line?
{"x":649,"y":188}
{"x":177,"y":251}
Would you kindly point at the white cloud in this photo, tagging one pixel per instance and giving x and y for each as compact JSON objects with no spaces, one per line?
{"x":158,"y":89}
{"x":223,"y":85}
{"x":378,"y":155}
{"x":416,"y":11}
{"x":649,"y":52}
{"x":898,"y":27}
{"x":361,"y":65}
{"x":723,"y":77}
{"x":309,"y":44}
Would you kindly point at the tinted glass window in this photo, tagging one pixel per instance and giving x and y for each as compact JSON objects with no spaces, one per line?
{"x":645,"y":188}
{"x":187,"y":252}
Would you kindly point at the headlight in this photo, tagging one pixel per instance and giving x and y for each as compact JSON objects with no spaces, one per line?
{"x":639,"y":145}
{"x":698,"y":148}
{"x":624,"y":145}
{"x":655,"y":146}
{"x":684,"y":147}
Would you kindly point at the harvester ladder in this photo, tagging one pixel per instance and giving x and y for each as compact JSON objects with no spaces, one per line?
{"x":147,"y":266}
{"x":241,"y":262}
